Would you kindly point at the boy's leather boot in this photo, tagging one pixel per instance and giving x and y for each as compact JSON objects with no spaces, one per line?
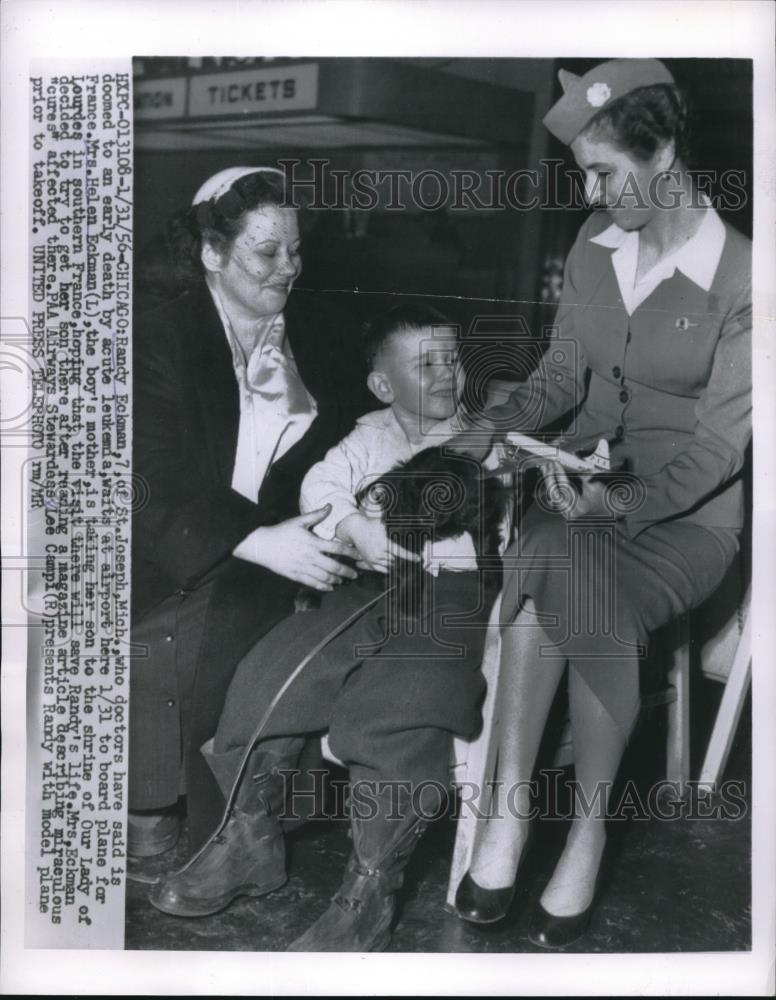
{"x":246,"y":856}
{"x":360,"y":914}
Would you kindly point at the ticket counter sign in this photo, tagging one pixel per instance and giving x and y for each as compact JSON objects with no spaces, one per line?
{"x":254,"y":91}
{"x":269,"y":90}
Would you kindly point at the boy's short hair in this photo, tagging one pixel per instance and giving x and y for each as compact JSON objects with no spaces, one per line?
{"x":414,"y":316}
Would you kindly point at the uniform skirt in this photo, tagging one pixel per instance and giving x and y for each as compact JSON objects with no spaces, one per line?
{"x":600,"y":594}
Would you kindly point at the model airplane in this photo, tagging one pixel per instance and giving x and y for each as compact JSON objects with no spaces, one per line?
{"x":599,"y":461}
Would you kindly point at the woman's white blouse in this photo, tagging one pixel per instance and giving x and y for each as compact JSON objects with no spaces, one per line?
{"x":698,"y":259}
{"x":276,"y":409}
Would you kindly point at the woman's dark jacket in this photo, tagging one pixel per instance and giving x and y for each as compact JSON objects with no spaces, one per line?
{"x":187,"y":519}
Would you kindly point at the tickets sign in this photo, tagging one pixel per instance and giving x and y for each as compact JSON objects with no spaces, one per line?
{"x":258,"y":91}
{"x":215,"y":95}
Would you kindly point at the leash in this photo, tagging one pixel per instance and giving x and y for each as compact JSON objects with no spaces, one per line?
{"x":336,"y":631}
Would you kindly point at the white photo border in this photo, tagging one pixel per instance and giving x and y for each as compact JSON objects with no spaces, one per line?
{"x":36,"y":29}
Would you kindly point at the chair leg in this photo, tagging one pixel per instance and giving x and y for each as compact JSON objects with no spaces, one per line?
{"x":729,"y":712}
{"x":678,"y":737}
{"x":475,"y":761}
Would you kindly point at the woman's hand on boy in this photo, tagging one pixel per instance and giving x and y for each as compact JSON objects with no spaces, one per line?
{"x":293,"y":550}
{"x":369,"y":537}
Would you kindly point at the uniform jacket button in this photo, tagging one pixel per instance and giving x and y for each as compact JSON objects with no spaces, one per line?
{"x":616,"y":371}
{"x":624,"y":396}
{"x":170,"y":702}
{"x":619,"y":432}
{"x":169,"y":638}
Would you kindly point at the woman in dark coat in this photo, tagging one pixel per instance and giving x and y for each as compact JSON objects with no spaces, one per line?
{"x":652,"y":353}
{"x":238,"y":390}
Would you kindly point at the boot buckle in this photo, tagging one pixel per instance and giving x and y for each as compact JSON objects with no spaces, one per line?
{"x":358,"y":869}
{"x":349,"y":903}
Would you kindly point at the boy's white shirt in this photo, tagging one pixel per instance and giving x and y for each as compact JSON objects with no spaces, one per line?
{"x":374,"y":446}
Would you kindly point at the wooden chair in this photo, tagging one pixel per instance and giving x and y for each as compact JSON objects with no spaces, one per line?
{"x":728,"y":658}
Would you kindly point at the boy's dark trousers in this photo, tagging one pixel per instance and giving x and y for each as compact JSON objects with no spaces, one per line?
{"x":390,"y":697}
{"x":391,"y":692}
